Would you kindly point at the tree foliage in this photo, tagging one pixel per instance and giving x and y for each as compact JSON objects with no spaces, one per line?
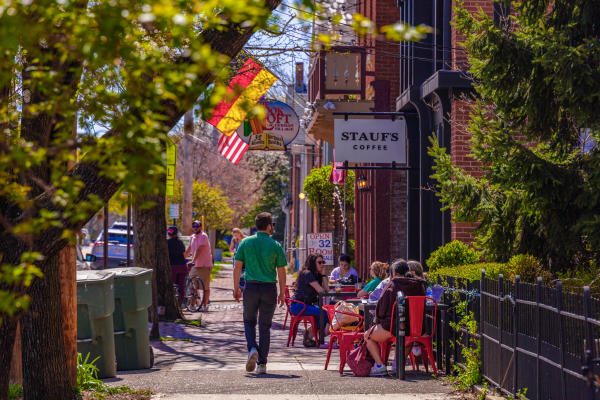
{"x":271,"y":169}
{"x":320,"y":191}
{"x":207,"y":201}
{"x":537,"y":77}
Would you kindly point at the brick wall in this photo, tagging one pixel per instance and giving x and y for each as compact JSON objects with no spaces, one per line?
{"x":460,"y":116}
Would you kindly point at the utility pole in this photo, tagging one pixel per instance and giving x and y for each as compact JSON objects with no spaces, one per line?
{"x":188,"y":180}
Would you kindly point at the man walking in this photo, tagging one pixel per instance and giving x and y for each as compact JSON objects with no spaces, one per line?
{"x":201,"y":258}
{"x":265,"y":263}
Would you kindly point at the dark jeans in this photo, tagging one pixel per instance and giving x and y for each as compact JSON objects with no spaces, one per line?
{"x":260,"y":299}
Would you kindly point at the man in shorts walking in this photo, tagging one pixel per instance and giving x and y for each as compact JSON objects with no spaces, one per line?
{"x":201,"y":259}
{"x":265,"y":264}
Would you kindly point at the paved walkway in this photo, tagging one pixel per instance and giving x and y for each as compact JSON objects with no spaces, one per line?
{"x":207,"y":362}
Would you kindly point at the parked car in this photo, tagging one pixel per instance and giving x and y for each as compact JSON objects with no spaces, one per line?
{"x":117,"y":254}
{"x":117,"y":233}
{"x":117,"y":247}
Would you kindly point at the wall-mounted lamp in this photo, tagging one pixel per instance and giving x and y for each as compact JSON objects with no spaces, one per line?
{"x":301,"y":195}
{"x":362,"y":184}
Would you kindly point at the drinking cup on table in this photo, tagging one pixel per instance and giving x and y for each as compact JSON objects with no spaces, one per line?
{"x":338,"y":287}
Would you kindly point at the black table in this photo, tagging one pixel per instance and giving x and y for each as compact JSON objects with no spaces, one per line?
{"x":323,"y":296}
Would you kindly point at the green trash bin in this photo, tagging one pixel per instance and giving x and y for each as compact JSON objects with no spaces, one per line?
{"x":95,"y":305}
{"x":133,"y":296}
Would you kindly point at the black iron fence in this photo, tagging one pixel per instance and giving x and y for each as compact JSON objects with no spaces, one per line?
{"x":532,"y":336}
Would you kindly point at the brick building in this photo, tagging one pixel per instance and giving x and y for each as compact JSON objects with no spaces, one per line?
{"x":400,"y":216}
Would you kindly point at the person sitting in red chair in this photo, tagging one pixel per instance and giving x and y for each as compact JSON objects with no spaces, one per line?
{"x":311,"y":282}
{"x":381,"y":332}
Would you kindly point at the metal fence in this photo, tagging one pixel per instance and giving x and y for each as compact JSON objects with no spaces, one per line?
{"x":531,"y":336}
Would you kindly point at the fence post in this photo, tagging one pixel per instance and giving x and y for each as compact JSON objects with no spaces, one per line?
{"x":454,"y":333}
{"x":588,"y":329}
{"x":538,"y":336}
{"x":500,"y":320}
{"x":559,"y":307}
{"x":516,"y":335}
{"x":481,"y":319}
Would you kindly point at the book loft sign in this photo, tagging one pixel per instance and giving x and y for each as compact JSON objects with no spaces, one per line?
{"x":370,"y":140}
{"x":278,"y":129}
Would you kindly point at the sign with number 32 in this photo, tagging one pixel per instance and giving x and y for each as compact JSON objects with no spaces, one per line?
{"x":321,"y":243}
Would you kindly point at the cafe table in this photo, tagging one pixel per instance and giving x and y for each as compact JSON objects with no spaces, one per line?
{"x":329,"y":295}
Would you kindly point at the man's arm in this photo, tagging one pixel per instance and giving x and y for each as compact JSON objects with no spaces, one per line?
{"x":237,"y":272}
{"x":281,"y":279}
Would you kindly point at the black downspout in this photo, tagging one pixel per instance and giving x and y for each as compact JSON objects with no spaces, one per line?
{"x":447,"y":39}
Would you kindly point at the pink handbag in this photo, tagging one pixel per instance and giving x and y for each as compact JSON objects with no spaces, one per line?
{"x":359,"y":360}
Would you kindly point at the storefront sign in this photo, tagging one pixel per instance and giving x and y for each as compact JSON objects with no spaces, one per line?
{"x":370,"y":140}
{"x":281,"y":123}
{"x":321,"y":243}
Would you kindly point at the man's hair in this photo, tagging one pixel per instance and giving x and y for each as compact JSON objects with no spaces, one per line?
{"x":263,"y":220}
{"x":400,"y":267}
{"x":346,"y":258}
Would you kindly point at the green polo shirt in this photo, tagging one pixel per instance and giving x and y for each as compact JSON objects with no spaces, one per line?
{"x":261,"y":256}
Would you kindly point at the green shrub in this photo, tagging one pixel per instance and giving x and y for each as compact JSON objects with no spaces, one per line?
{"x":452,"y":254}
{"x":227,"y":253}
{"x":471,"y":272}
{"x":584,"y":275}
{"x":15,"y":391}
{"x":528,"y":268}
{"x":221,"y":244}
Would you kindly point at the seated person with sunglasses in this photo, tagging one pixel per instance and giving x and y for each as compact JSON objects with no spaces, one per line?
{"x":311,"y":282}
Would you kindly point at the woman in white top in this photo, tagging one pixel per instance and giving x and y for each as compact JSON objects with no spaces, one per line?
{"x":344,"y":270}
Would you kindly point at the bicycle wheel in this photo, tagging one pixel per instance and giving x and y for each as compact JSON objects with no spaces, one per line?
{"x":199,"y":284}
{"x":190,"y":299}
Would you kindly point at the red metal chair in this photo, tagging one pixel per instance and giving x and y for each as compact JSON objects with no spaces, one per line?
{"x":345,"y":335}
{"x":295,"y":321}
{"x":288,"y":297}
{"x":416,"y":310}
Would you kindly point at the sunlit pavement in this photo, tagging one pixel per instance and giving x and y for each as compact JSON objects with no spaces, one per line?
{"x":208,"y":362}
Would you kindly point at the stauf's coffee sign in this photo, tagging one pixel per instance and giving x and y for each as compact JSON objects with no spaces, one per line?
{"x":370,"y":140}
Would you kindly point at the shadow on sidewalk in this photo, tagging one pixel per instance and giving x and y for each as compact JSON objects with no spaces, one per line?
{"x":272,"y":376}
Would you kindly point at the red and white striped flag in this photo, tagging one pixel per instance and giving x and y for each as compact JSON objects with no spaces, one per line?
{"x":232,"y":147}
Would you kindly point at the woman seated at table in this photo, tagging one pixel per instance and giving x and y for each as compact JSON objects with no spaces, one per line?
{"x":384,"y":311}
{"x":378,"y":272}
{"x":309,"y":284}
{"x":344,"y":270}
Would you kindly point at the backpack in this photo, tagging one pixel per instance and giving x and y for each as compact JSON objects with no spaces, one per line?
{"x":359,"y":360}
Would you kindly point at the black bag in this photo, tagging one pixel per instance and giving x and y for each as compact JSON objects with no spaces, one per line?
{"x":348,"y":280}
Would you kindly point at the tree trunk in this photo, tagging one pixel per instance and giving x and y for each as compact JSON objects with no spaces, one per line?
{"x":43,"y":345}
{"x":68,"y":288}
{"x":151,"y":251}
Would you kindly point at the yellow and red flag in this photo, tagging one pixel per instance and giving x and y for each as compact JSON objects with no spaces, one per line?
{"x":246,"y":88}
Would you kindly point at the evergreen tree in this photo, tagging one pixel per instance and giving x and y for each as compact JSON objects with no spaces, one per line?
{"x":534,"y":129}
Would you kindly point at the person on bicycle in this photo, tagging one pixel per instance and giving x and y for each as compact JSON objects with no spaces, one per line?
{"x":177,"y":260}
{"x":202,"y":259}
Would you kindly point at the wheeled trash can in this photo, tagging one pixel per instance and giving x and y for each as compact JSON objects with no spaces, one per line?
{"x":95,"y":305}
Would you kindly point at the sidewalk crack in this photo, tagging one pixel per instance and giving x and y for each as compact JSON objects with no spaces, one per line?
{"x":312,"y":385}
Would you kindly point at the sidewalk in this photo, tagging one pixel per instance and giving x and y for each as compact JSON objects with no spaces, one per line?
{"x":208,"y":362}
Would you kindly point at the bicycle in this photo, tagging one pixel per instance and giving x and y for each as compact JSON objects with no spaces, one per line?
{"x":194,"y":292}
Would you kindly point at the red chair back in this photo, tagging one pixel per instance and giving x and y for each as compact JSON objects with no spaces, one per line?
{"x":331,"y":312}
{"x":416,"y":311}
